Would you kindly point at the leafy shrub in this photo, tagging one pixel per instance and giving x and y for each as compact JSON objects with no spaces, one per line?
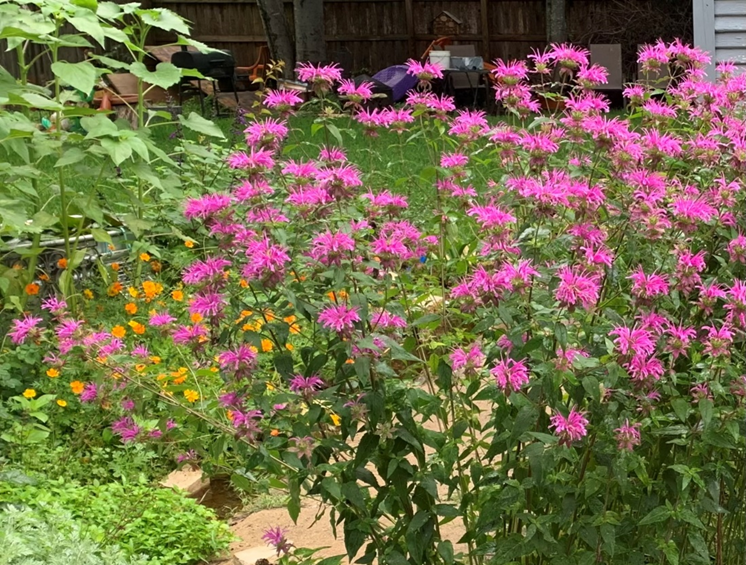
{"x":30,"y":537}
{"x":161,"y":523}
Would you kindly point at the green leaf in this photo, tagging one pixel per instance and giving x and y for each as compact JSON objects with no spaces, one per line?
{"x":98,"y":126}
{"x":118,"y":150}
{"x":164,"y":19}
{"x":89,"y":25}
{"x":88,"y":4}
{"x":81,"y":76}
{"x":660,"y":514}
{"x":70,"y":157}
{"x":334,"y":130}
{"x":38,"y":101}
{"x":164,"y":76}
{"x":100,"y":235}
{"x":681,"y":407}
{"x":199,"y":124}
{"x":294,"y":502}
{"x":706,"y":410}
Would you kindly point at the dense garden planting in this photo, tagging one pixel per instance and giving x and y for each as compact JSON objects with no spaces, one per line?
{"x":531,"y":325}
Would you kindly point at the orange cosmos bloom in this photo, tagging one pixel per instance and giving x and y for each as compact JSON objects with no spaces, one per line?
{"x":88,"y":293}
{"x":44,"y":277}
{"x":267,"y":345}
{"x":115,"y":289}
{"x":32,"y":289}
{"x":189,"y":243}
{"x":137,"y":327}
{"x":77,"y":387}
{"x":196,"y":317}
{"x":177,"y":295}
{"x":130,"y":308}
{"x":144,"y":257}
{"x":53,"y":373}
{"x":115,"y":267}
{"x":191,"y":395}
{"x":62,"y":263}
{"x":118,"y":331}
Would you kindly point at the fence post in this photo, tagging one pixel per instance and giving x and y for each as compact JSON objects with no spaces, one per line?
{"x":485,"y":30}
{"x":409,"y":15}
{"x":704,"y":31}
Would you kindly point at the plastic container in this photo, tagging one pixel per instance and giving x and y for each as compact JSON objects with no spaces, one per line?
{"x":441,"y":58}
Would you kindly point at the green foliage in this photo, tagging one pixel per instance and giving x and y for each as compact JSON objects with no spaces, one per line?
{"x":51,"y":537}
{"x":163,"y":524}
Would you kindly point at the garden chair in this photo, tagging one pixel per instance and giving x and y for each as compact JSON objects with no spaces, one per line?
{"x":609,"y":56}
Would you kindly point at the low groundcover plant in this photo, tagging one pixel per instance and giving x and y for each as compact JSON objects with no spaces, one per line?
{"x":553,"y":355}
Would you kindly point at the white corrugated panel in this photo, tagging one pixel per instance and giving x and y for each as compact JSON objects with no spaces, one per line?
{"x":730,"y":23}
{"x":730,"y":7}
{"x":736,"y":55}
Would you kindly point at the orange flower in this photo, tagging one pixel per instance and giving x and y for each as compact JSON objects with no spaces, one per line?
{"x":44,"y":277}
{"x":88,"y":293}
{"x":62,"y":263}
{"x":115,"y":267}
{"x":340,"y":295}
{"x":144,"y":257}
{"x":243,"y":283}
{"x":196,"y":317}
{"x":155,"y":359}
{"x":115,"y":289}
{"x":189,"y":243}
{"x":266,"y":345}
{"x":294,"y":328}
{"x":152,"y":289}
{"x":137,"y":327}
{"x":116,"y":375}
{"x":77,"y":387}
{"x":274,"y":433}
{"x":289,"y":346}
{"x":350,"y":361}
{"x":53,"y":373}
{"x":32,"y":289}
{"x":177,"y":295}
{"x":118,"y":331}
{"x":156,"y":266}
{"x":130,"y":308}
{"x":140,"y":367}
{"x":111,"y":247}
{"x":229,"y":415}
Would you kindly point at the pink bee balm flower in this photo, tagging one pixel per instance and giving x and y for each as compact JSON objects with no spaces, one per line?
{"x":89,"y":394}
{"x":162,"y":319}
{"x":206,"y":206}
{"x":700,"y":392}
{"x":643,"y":369}
{"x":320,"y":76}
{"x":542,"y":61}
{"x":266,"y":133}
{"x":282,"y":100}
{"x":633,"y":340}
{"x":191,"y":335}
{"x":209,"y":304}
{"x":591,"y":76}
{"x":510,"y":73}
{"x":54,"y":305}
{"x":339,"y":318}
{"x":737,"y":249}
{"x":453,"y":160}
{"x":679,"y":340}
{"x":356,"y":94}
{"x":470,"y":360}
{"x":256,"y":160}
{"x":332,"y":155}
{"x":510,"y":375}
{"x":571,"y":428}
{"x":387,"y":320}
{"x":330,"y":248}
{"x":718,"y":340}
{"x":266,"y":261}
{"x":306,"y":386}
{"x":627,"y":436}
{"x":241,"y":361}
{"x":577,"y":288}
{"x":647,"y":286}
{"x":205,"y":271}
{"x":23,"y":328}
{"x":425,"y":72}
{"x":126,"y":429}
{"x":275,"y":537}
{"x":569,"y":57}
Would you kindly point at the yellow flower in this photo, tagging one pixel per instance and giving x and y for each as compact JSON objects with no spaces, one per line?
{"x":254,"y":349}
{"x":289,"y":346}
{"x":53,"y":373}
{"x":336,"y":420}
{"x":144,"y":257}
{"x":266,"y":345}
{"x":270,"y":386}
{"x":115,"y":266}
{"x":155,"y":359}
{"x":338,"y":296}
{"x":88,"y":294}
{"x":130,"y":308}
{"x":61,"y":403}
{"x":213,"y":369}
{"x":191,"y":395}
{"x":29,"y":393}
{"x":134,"y":293}
{"x":77,"y":387}
{"x":137,"y":327}
{"x":177,"y":295}
{"x":140,"y":367}
{"x":189,"y":243}
{"x":118,"y":331}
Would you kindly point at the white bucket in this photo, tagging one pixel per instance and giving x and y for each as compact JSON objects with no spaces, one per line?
{"x":441,"y":58}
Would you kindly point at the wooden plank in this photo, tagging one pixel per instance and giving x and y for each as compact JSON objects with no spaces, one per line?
{"x":730,"y":23}
{"x":409,"y":16}
{"x":485,"y":23}
{"x":729,"y":7}
{"x":730,"y":39}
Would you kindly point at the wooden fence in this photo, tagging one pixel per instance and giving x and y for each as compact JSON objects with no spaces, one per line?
{"x":369,"y":35}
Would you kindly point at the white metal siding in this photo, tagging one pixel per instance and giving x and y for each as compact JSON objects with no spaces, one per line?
{"x":720,"y":29}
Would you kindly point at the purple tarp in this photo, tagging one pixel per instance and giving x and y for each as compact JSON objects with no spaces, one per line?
{"x":397,"y":79}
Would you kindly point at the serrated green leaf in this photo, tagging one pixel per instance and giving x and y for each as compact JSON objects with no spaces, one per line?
{"x":199,"y":124}
{"x":164,"y":76}
{"x":81,"y":76}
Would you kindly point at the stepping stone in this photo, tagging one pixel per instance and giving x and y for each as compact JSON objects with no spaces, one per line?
{"x":190,"y":480}
{"x":253,"y":554}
